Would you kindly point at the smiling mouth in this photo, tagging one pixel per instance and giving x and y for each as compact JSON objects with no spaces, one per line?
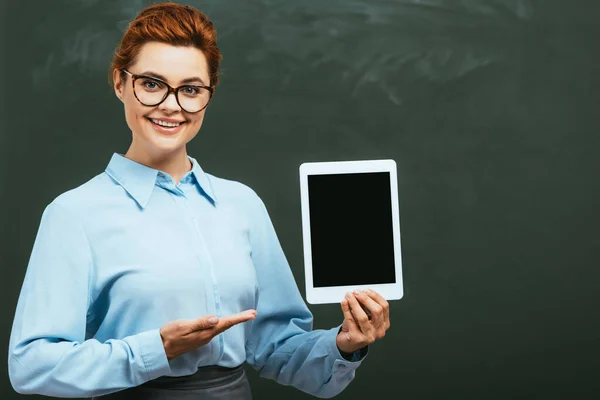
{"x":165,"y":124}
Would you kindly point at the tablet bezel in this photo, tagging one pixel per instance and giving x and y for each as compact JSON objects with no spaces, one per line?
{"x":335,"y":294}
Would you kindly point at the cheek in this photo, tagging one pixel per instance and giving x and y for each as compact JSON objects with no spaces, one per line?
{"x":134,"y":114}
{"x":195,"y":124}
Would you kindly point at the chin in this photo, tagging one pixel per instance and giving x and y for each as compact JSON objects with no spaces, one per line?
{"x":162,"y":147}
{"x":156,"y":143}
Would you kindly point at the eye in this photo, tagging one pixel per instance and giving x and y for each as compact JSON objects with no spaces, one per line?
{"x":190,"y":90}
{"x":150,"y":84}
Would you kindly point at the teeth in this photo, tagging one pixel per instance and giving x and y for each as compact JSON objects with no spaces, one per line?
{"x":167,"y":124}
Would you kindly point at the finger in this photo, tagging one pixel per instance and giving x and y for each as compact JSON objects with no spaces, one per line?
{"x":359,"y":314}
{"x":201,"y":323}
{"x":348,"y":315}
{"x":231,"y":320}
{"x":365,"y":309}
{"x":375,"y":312}
{"x":382,"y":302}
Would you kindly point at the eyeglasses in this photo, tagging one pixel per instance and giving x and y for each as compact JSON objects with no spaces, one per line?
{"x":150,"y":92}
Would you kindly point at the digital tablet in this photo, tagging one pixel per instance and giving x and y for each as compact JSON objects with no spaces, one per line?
{"x":351,"y":229}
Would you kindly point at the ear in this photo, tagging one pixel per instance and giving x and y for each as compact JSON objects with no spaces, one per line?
{"x":118,"y":84}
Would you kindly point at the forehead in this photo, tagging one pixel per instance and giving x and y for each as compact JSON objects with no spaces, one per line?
{"x":173,"y":62}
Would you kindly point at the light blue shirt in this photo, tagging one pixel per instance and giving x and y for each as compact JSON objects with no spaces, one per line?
{"x":129,"y":251}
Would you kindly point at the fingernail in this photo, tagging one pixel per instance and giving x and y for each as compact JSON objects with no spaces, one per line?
{"x":357,"y":292}
{"x":213,"y":320}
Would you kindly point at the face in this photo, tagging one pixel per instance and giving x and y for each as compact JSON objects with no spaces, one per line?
{"x":175,"y":64}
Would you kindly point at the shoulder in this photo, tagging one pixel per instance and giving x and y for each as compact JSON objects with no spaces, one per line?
{"x":227,"y":190}
{"x":80,"y":200}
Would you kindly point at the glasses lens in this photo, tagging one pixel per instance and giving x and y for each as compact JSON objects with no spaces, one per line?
{"x":193,"y":98}
{"x":149,"y":92}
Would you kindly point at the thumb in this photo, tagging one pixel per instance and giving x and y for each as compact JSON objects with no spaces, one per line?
{"x":349,"y":322}
{"x":345,"y":327}
{"x":204,"y":323}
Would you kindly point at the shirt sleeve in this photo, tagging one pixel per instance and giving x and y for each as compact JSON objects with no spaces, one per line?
{"x":48,"y":353}
{"x":282,"y":344}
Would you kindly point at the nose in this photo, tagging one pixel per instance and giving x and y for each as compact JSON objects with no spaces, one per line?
{"x":170,"y":103}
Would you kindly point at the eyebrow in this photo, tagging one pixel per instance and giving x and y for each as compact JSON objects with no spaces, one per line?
{"x":186,"y":80}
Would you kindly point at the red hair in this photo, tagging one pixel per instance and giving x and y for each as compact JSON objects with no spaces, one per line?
{"x":173,"y":24}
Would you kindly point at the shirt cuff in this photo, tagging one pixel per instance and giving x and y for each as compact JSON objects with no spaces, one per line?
{"x":358,"y":355}
{"x":153,"y":353}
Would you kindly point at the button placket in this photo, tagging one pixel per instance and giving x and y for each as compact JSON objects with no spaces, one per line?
{"x":203,"y":251}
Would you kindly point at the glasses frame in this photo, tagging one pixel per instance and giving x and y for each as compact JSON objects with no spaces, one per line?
{"x":170,"y":89}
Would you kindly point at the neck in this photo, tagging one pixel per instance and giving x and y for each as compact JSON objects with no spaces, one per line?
{"x":176,"y":163}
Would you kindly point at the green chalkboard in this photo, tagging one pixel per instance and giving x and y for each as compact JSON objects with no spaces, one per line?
{"x":489,"y":108}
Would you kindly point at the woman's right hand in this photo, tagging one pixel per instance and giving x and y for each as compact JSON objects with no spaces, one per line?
{"x":181,"y":336}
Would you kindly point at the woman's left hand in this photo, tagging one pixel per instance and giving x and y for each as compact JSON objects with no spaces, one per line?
{"x":366,"y":319}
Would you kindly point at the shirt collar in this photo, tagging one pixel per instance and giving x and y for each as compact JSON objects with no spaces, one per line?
{"x":139,"y":180}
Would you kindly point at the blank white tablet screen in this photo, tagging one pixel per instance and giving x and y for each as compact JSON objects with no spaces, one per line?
{"x":351,"y":229}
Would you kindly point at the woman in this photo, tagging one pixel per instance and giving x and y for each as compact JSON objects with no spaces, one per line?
{"x":156,"y":280}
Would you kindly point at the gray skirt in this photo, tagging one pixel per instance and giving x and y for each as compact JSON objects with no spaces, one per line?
{"x":208,"y":383}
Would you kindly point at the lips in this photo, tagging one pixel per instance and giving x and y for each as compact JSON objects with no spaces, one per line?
{"x":169,"y":121}
{"x":166,"y":129}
